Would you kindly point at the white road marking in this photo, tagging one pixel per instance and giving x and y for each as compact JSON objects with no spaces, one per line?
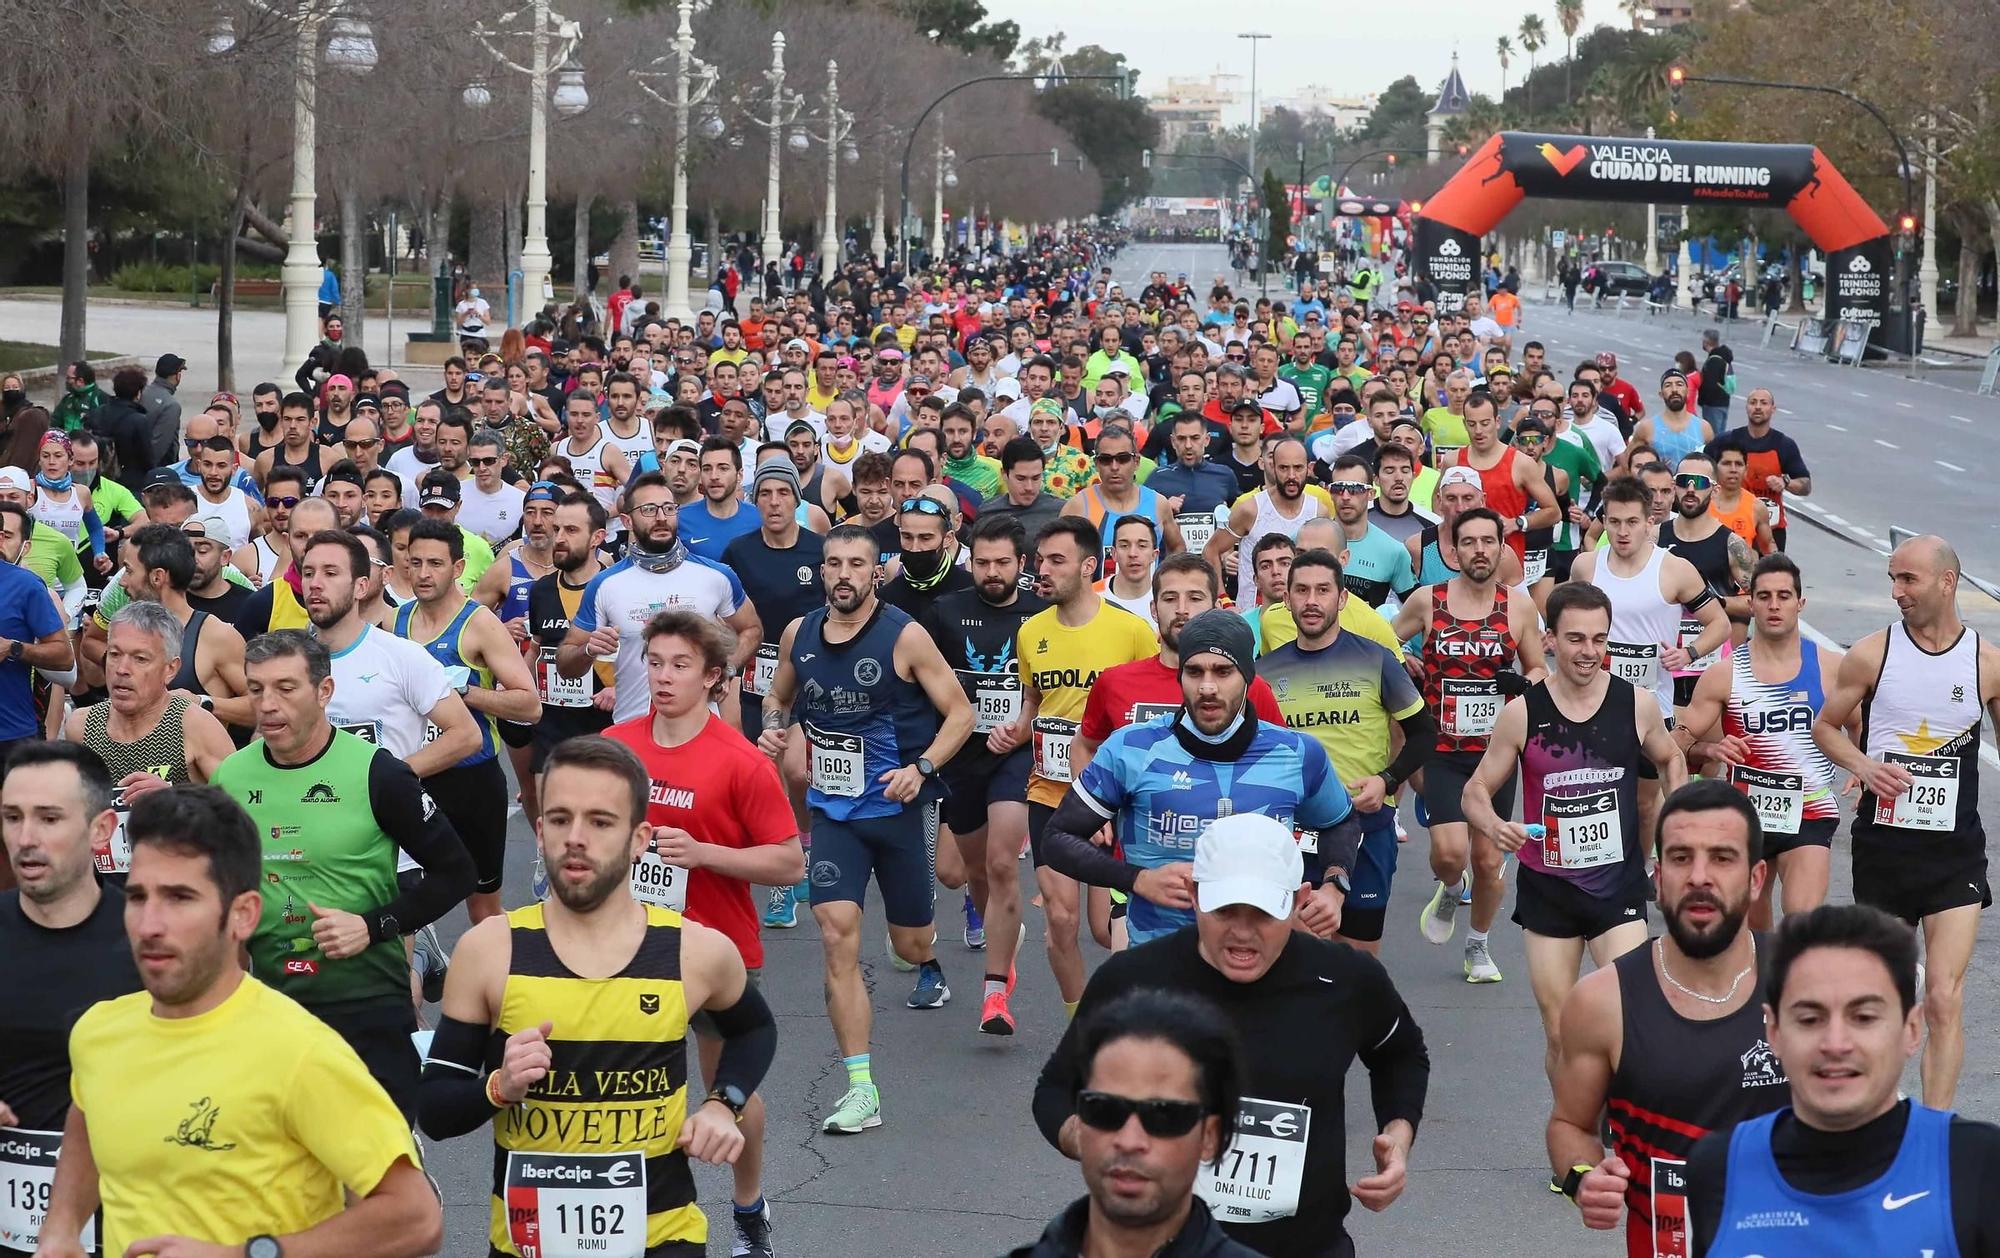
{"x":1906,"y":406}
{"x":1786,"y":410}
{"x":1836,"y":427}
{"x":1949,"y":467}
{"x":1889,"y":445}
{"x":1961,"y":419}
{"x":1857,"y":393}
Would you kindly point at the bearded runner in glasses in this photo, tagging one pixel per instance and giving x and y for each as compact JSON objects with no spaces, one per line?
{"x":1303,"y":1009}
{"x":1117,"y":493}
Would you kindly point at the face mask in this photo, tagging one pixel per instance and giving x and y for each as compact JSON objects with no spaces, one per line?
{"x":13,"y":398}
{"x":924,"y":565}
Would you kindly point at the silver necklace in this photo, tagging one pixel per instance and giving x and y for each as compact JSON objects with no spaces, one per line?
{"x":1660,"y":951}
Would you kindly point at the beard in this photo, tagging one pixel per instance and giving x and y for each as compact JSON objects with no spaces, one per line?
{"x":603,"y":881}
{"x":1699,"y":944}
{"x":646,"y":541}
{"x":333,"y":613}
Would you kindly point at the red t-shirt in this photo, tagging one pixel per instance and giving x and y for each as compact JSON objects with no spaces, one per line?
{"x":719,"y":788}
{"x":1120,"y":689}
{"x":1627,"y":395}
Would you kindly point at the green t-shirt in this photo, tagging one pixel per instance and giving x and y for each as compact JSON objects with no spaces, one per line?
{"x":1446,"y":431}
{"x":322,"y":846}
{"x":478,"y":558}
{"x":978,"y":471}
{"x":51,"y":557}
{"x":113,"y":501}
{"x":1311,"y":381}
{"x":1573,"y":453}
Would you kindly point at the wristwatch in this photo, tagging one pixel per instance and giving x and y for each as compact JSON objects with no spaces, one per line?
{"x":925,"y":767}
{"x":1342,"y":883}
{"x":732,"y":1096}
{"x":14,"y":651}
{"x":263,"y":1247}
{"x":1573,"y":1182}
{"x":383,"y":926}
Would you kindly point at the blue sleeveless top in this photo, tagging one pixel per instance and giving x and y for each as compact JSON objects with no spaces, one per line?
{"x":445,"y":649}
{"x":859,"y":718}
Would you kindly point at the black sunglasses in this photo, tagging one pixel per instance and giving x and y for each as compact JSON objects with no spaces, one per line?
{"x":1117,"y":460}
{"x":287,"y":502}
{"x":1106,"y":1111}
{"x":485,"y":462}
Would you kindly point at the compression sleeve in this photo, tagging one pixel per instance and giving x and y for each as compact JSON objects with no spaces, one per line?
{"x":93,"y":528}
{"x":1391,"y":1047}
{"x":414,"y":822}
{"x":1419,"y":736}
{"x":749,"y":1041}
{"x":1067,"y":849}
{"x":451,"y":1093}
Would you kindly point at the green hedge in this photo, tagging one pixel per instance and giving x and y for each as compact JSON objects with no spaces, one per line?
{"x":164,"y":277}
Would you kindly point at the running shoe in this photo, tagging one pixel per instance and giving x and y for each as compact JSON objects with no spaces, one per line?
{"x":753,"y":1233}
{"x":1440,"y":917}
{"x":781,"y":911}
{"x":975,"y":926}
{"x":1465,"y":892}
{"x":994,"y":1017}
{"x":930,"y":991}
{"x":1479,"y":967}
{"x":431,"y":961}
{"x":859,"y":1110}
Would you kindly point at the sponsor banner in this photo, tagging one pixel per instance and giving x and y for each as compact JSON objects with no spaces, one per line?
{"x":1858,"y":281}
{"x":1450,"y":259}
{"x":1599,"y":169}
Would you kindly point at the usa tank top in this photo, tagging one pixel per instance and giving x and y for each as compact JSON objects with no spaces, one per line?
{"x":1788,"y":777}
{"x":1642,"y":624}
{"x":1464,"y":659}
{"x":1924,"y":714}
{"x":447,"y":649}
{"x":1580,"y":782}
{"x":1679,"y":1078}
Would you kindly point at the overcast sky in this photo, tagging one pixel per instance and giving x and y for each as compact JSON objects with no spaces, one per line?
{"x":1354,"y":48}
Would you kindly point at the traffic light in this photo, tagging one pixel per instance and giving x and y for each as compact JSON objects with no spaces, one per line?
{"x":1392,"y":159}
{"x":1676,"y":79}
{"x":1463,"y":149}
{"x":1907,"y":224}
{"x":1416,"y":207}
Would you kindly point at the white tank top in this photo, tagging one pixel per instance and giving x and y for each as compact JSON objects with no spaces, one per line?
{"x":589,"y":467}
{"x":1269,"y":520}
{"x":268,"y":564}
{"x":234,"y":508}
{"x":1642,"y":625}
{"x":633,"y":446}
{"x":64,"y":517}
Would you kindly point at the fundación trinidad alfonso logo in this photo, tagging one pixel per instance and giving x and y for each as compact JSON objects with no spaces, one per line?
{"x":1449,"y":249}
{"x":1860,"y":265}
{"x":1564,"y":161}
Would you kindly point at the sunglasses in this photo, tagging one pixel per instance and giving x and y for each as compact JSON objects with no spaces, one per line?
{"x":367,"y":444}
{"x":924,"y":506}
{"x":1692,"y":480}
{"x":1351,"y":487}
{"x":490,"y":461}
{"x":209,"y":443}
{"x":1117,"y":460}
{"x":287,"y":502}
{"x":1106,"y":1111}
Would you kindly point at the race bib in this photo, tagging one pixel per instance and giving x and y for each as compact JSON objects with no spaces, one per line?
{"x":1258,"y":1180}
{"x":27,"y":1182}
{"x":1534,"y":566}
{"x":559,"y":691}
{"x":1931,"y":803}
{"x":1582,"y":831}
{"x":1445,"y":456}
{"x":114,"y":856}
{"x":1636,"y":662}
{"x":1053,"y":737}
{"x":569,"y":1205}
{"x":370,"y":731}
{"x":658,"y":883}
{"x":1779,"y":798}
{"x":1670,"y":1208}
{"x":1196,"y":528}
{"x":1147,"y":711}
{"x":1690,"y":632}
{"x":995,"y":698}
{"x":763,"y":670}
{"x":837,"y":763}
{"x":1468,"y":707}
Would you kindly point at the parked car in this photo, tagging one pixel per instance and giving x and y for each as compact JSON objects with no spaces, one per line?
{"x":1617,"y":279}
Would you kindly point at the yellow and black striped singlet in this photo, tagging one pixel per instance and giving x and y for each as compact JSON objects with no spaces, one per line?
{"x":568,"y":1160}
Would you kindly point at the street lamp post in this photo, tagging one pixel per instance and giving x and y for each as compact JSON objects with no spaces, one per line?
{"x":1256,"y":181}
{"x":945,"y":177}
{"x":571,"y":99}
{"x":1927,"y":266}
{"x":839,"y":148}
{"x":350,"y":49}
{"x":784,"y":110}
{"x":693,"y":80}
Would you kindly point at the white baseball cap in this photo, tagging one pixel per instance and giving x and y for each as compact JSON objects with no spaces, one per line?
{"x":1247,"y":858}
{"x":212,"y":528}
{"x":1008,"y":387}
{"x":16,"y":479}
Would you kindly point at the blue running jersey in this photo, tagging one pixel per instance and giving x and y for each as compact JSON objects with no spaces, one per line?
{"x":1160,"y":798}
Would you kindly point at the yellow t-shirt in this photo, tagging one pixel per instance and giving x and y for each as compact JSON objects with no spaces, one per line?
{"x":1356,"y":617}
{"x":1062,"y":665}
{"x":1446,"y":430}
{"x":243,"y":1121}
{"x":819,"y":399}
{"x":727,"y":356}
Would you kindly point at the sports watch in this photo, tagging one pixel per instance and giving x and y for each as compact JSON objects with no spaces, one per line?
{"x":263,"y":1247}
{"x":732,"y":1096}
{"x":925,"y":767}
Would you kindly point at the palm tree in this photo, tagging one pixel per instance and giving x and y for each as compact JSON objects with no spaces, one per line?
{"x":1534,"y":36}
{"x":1569,"y":16}
{"x":1504,"y":49}
{"x":1637,"y":10}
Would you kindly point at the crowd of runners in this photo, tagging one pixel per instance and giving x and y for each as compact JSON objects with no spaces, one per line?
{"x":1204,"y":605}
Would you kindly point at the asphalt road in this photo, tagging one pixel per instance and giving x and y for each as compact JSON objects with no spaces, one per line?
{"x":958,"y":1168}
